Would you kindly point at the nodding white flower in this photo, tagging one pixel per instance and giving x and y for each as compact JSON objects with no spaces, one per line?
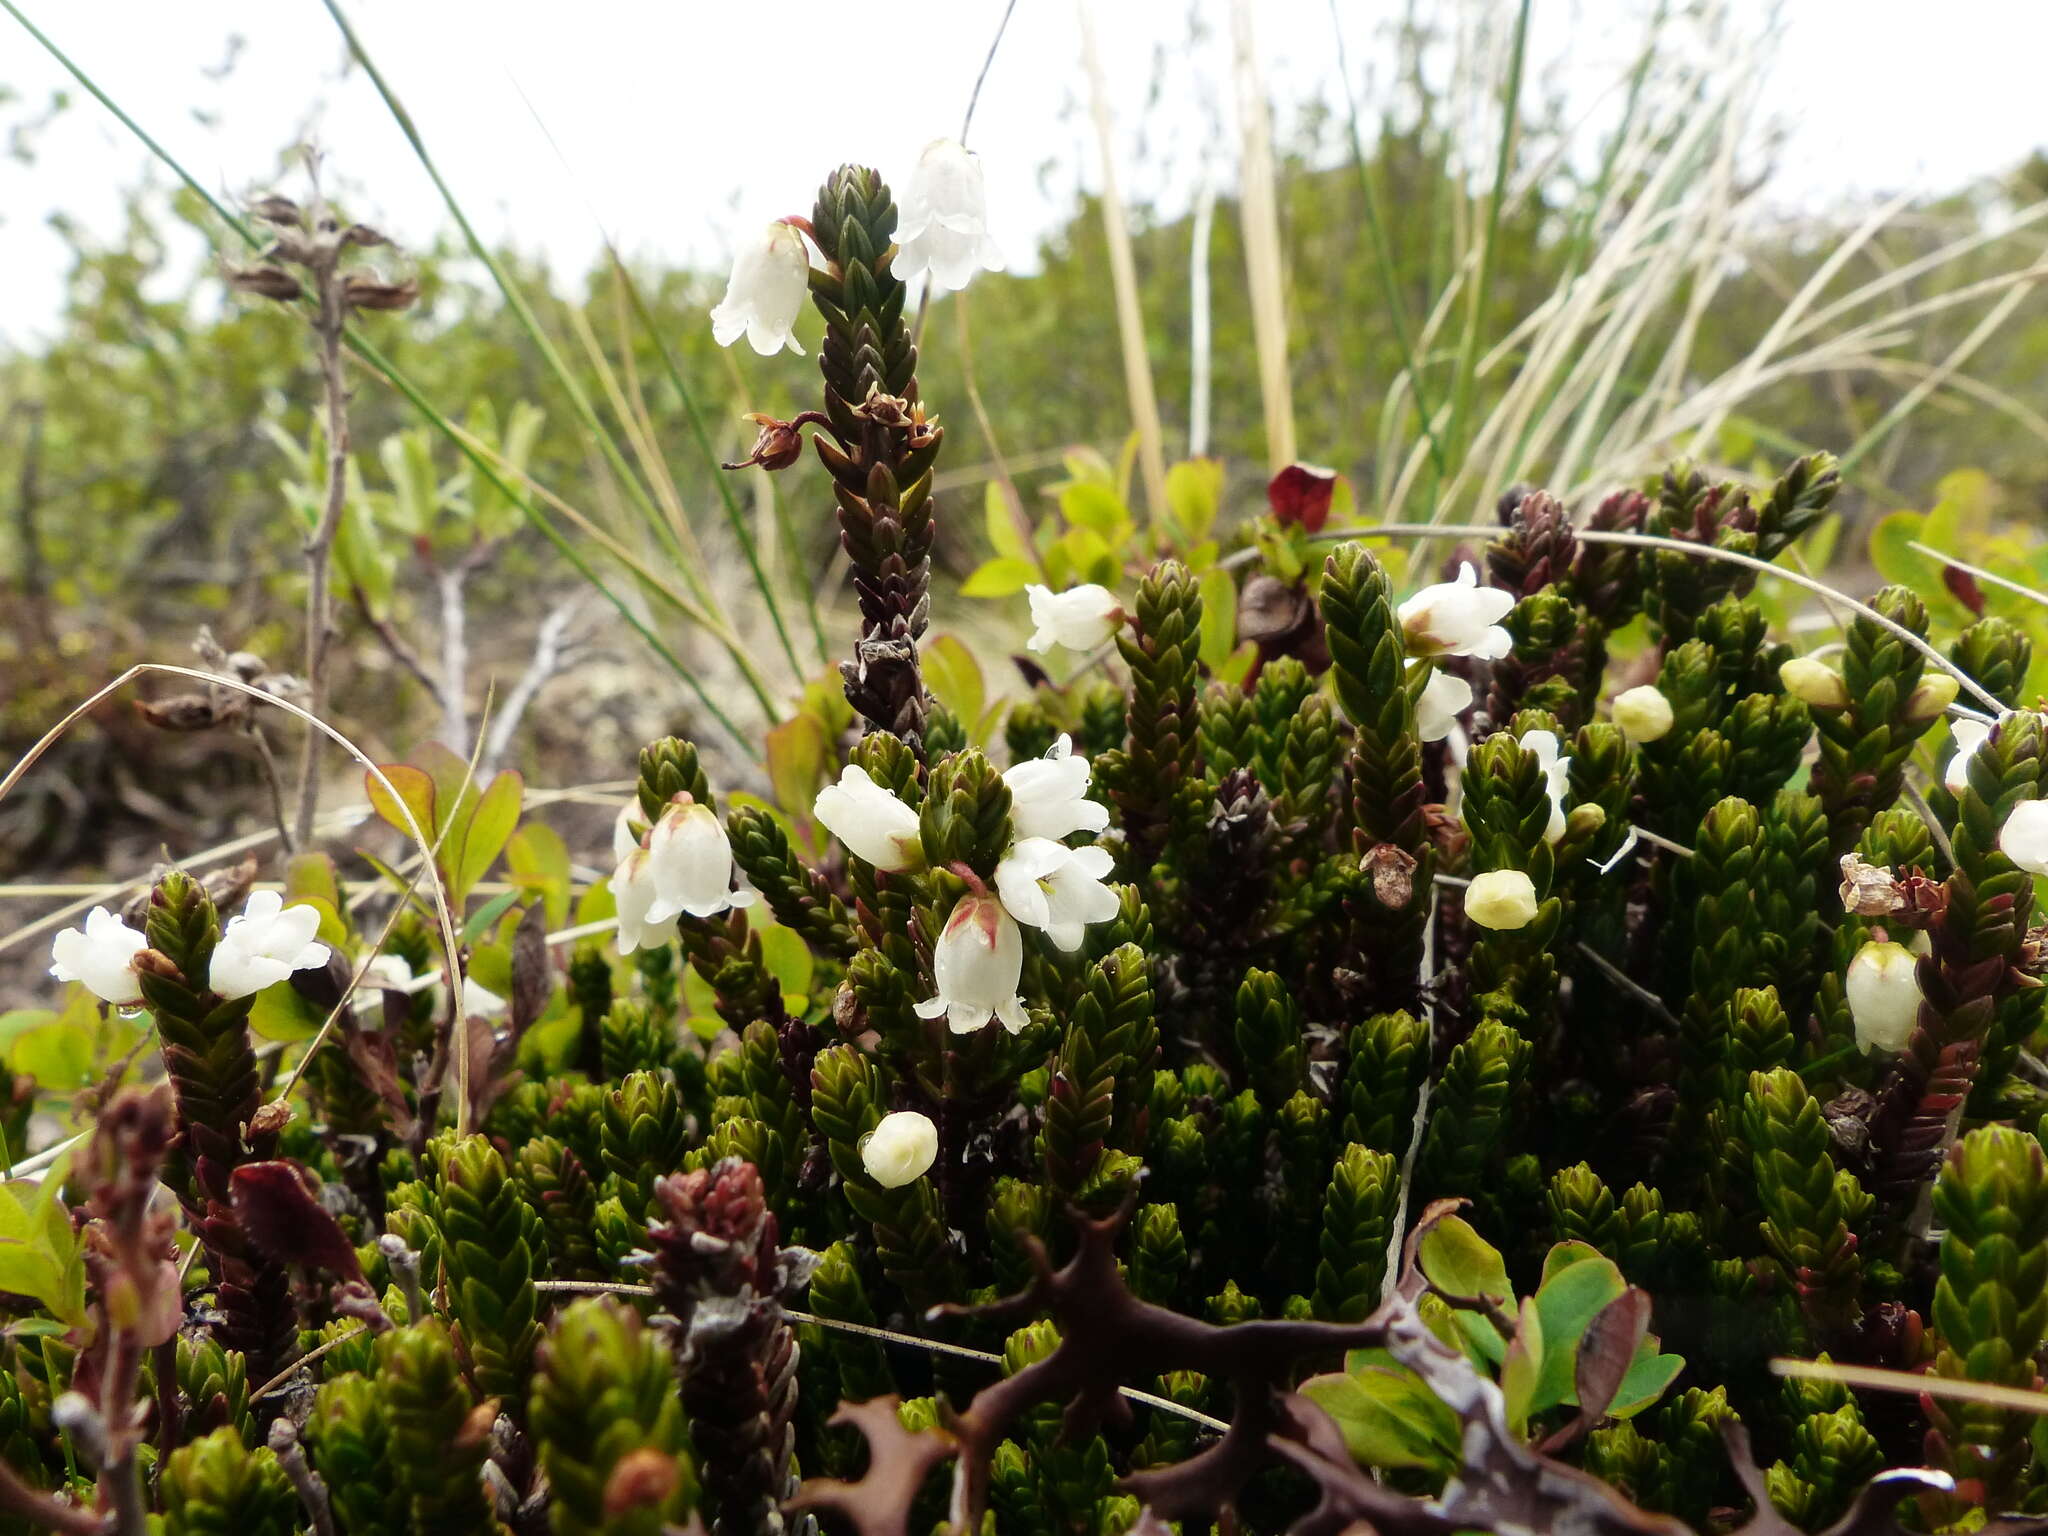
{"x":1968,"y":736}
{"x":1049,"y":795}
{"x":102,"y":955}
{"x":1883,"y":987}
{"x":684,"y":864}
{"x":624,"y":838}
{"x":1458,"y":618}
{"x":945,"y":219}
{"x":1557,"y":776}
{"x":873,"y":823}
{"x":1501,"y":899}
{"x":1444,"y":697}
{"x":388,"y":972}
{"x":1814,"y":682}
{"x":2024,"y":837}
{"x":265,"y":944}
{"x":1080,"y":618}
{"x":771,"y":277}
{"x":900,"y":1149}
{"x":1643,"y":714}
{"x":480,"y":1002}
{"x":1045,"y":884}
{"x":976,"y":966}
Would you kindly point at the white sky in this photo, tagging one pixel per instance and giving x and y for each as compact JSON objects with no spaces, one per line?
{"x":678,"y":121}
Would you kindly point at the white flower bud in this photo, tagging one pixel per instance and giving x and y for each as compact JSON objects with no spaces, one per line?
{"x":479,"y":1001}
{"x":901,"y":1149}
{"x":873,"y":823}
{"x":1643,"y":714}
{"x":2024,"y":837}
{"x":1501,"y":899}
{"x":265,"y":944}
{"x":1049,"y":795}
{"x":101,"y":955}
{"x":945,"y":219}
{"x":976,"y":966}
{"x":1080,"y":618}
{"x":1458,"y":618}
{"x":1936,"y":691}
{"x":1444,"y":698}
{"x":1814,"y":682}
{"x":1883,"y":987}
{"x":771,"y":277}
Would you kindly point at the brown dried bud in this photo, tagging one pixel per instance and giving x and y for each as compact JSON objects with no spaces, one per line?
{"x":779,"y":445}
{"x":2033,"y":961}
{"x":270,"y":1118}
{"x":363,"y":235}
{"x":1868,"y":890}
{"x":1848,"y":1117}
{"x":266,"y":283}
{"x":1392,"y":872}
{"x":1922,"y":901}
{"x":889,"y":410}
{"x":278,"y":210}
{"x":642,"y":1479}
{"x":372,"y":292}
{"x":156,"y":963}
{"x":475,"y":1430}
{"x":183,"y":712}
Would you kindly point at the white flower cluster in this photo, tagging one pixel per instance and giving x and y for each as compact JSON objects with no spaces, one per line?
{"x":1041,"y":882}
{"x":265,"y":943}
{"x":943,"y":233}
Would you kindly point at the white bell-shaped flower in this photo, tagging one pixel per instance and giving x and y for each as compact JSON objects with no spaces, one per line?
{"x":900,"y":1149}
{"x":1968,"y":736}
{"x":1458,"y":618}
{"x":624,"y":838}
{"x":873,"y":823}
{"x":1883,"y":988}
{"x":1501,"y":899}
{"x":976,"y":966}
{"x":684,"y":864}
{"x":265,"y":944}
{"x":1557,"y":776}
{"x":1080,"y":618}
{"x":1045,"y":884}
{"x":689,"y":858}
{"x":102,"y":955}
{"x":1643,"y":714}
{"x":1049,"y":795}
{"x":2024,"y":837}
{"x":1444,"y":697}
{"x":944,"y":229}
{"x":771,"y":277}
{"x":632,"y":887}
{"x":479,"y":1001}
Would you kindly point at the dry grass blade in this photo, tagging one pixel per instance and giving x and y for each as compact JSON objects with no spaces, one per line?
{"x":1123,"y":272}
{"x":1879,"y":1380}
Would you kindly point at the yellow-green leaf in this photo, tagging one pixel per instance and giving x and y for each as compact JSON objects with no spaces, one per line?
{"x":954,"y":677}
{"x":1194,"y":494}
{"x":1003,"y":576}
{"x":1219,"y":617}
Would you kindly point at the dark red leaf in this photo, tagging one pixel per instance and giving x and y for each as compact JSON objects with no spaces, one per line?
{"x":1300,"y":494}
{"x":278,"y":1205}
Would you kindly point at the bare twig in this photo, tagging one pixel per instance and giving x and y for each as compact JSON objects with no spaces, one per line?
{"x":330,"y":321}
{"x":552,"y":651}
{"x":396,"y":647}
